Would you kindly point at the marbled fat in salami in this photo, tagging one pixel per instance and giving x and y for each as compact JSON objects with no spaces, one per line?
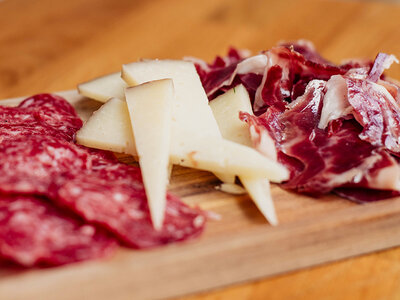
{"x":95,"y":186}
{"x":39,"y":159}
{"x":112,"y":201}
{"x":34,"y":232}
{"x":43,"y":114}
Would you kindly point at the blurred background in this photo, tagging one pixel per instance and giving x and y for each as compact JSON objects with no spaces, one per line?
{"x":49,"y":45}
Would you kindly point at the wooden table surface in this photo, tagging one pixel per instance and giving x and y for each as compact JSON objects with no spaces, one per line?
{"x":48,"y":45}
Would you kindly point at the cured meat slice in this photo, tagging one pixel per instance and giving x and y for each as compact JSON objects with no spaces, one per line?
{"x":30,"y":165}
{"x":112,"y":194}
{"x":122,"y":208}
{"x":33,"y":232}
{"x":321,"y":160}
{"x":336,"y":104}
{"x":369,"y":101}
{"x":362,"y":195}
{"x":227,"y":72}
{"x":273,"y":78}
{"x":377,"y":111}
{"x":38,"y":158}
{"x":259,"y":135}
{"x":95,"y":186}
{"x":307,"y":49}
{"x":338,"y":133}
{"x":382,"y":62}
{"x":42,"y":114}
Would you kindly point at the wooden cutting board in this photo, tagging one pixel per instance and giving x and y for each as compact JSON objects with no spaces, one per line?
{"x":49,"y":45}
{"x":241,"y":246}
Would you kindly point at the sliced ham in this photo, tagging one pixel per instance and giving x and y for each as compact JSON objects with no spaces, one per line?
{"x":322,"y":160}
{"x":273,"y":78}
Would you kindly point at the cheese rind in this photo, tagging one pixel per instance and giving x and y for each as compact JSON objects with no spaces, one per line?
{"x":109,"y":129}
{"x":150,"y":111}
{"x":103,"y":88}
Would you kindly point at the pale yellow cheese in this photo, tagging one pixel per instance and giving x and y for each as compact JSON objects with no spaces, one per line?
{"x":150,"y":111}
{"x":196,"y":140}
{"x":226,"y":110}
{"x":191,"y":104}
{"x":104,"y":88}
{"x":259,"y":190}
{"x":191,"y":109}
{"x":223,"y":156}
{"x":231,"y":188}
{"x":109,"y":128}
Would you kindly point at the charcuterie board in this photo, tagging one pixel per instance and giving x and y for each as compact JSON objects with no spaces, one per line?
{"x":240,"y":246}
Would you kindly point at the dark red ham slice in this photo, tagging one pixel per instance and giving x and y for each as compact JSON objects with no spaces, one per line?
{"x":382,"y":62}
{"x":322,"y":160}
{"x":34,"y":232}
{"x":335,"y":127}
{"x":377,"y":111}
{"x":273,"y":78}
{"x":307,"y":49}
{"x":363,"y":195}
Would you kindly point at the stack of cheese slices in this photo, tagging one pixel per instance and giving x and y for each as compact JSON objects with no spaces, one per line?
{"x":157,"y":111}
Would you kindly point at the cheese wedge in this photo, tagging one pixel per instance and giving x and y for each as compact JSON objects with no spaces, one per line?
{"x":260,"y":191}
{"x":150,"y":111}
{"x":223,"y":156}
{"x":191,"y":104}
{"x":194,"y":128}
{"x":104,"y":88}
{"x":226,"y":110}
{"x":109,"y":128}
{"x":191,"y":109}
{"x":193,"y":142}
{"x":191,"y":99}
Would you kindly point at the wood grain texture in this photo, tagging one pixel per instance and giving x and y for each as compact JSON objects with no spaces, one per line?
{"x":49,"y":46}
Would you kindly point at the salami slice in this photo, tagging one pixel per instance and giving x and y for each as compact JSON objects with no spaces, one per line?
{"x":114,"y":197}
{"x":30,"y":165}
{"x":38,"y":157}
{"x":54,"y":112}
{"x":42,"y":114}
{"x":33,"y":232}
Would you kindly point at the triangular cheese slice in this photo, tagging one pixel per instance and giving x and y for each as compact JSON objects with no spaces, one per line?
{"x":104,"y":88}
{"x":150,"y":111}
{"x":109,"y":128}
{"x":226,"y":108}
{"x":191,"y":104}
{"x":193,"y":143}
